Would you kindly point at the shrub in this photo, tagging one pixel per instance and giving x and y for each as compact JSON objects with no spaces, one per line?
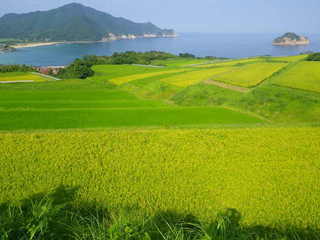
{"x":78,"y":69}
{"x":15,"y":68}
{"x":314,"y":57}
{"x":187,"y":55}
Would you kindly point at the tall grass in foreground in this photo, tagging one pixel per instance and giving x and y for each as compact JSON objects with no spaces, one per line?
{"x":55,"y":216}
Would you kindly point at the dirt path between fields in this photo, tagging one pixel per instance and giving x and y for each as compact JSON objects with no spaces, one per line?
{"x":150,"y":66}
{"x":22,"y":81}
{"x":227,"y":86}
{"x":47,"y":76}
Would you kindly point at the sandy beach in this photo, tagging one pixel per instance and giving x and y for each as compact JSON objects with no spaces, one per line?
{"x":36,"y":44}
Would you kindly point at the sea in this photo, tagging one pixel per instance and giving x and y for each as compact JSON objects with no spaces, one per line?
{"x":199,"y":44}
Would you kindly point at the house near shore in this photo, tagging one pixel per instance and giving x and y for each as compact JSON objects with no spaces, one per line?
{"x":50,"y":69}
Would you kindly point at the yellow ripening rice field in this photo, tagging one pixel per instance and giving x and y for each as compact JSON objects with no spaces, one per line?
{"x":126,"y":79}
{"x":230,"y":63}
{"x":269,"y":175}
{"x":305,"y":75}
{"x":194,"y":77}
{"x":250,"y":75}
{"x":17,"y":76}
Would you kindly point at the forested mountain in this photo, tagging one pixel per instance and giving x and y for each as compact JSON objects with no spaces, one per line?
{"x":72,"y":22}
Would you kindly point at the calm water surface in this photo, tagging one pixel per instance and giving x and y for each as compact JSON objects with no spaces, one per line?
{"x":220,"y":45}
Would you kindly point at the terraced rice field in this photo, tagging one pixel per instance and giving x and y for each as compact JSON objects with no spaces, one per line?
{"x":130,"y":78}
{"x":194,"y":77}
{"x":108,"y":72}
{"x":250,"y":75}
{"x":304,"y":75}
{"x":180,"y":62}
{"x":230,"y":63}
{"x":270,"y":175}
{"x":185,"y":152}
{"x":16,"y":77}
{"x":44,"y":107}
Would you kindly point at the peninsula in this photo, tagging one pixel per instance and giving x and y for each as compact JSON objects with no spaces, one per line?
{"x":74,"y":23}
{"x":291,"y":39}
{"x":6,"y":48}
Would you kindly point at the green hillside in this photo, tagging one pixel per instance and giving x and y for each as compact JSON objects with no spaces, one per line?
{"x":72,"y":22}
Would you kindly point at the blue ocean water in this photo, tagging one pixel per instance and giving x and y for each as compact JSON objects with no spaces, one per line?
{"x":219,"y":45}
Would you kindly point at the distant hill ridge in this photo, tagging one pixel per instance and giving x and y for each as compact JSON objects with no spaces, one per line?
{"x":75,"y":22}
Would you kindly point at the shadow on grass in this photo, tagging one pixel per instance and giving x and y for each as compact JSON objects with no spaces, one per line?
{"x":56,"y":215}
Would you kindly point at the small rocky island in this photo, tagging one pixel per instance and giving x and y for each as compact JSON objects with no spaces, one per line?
{"x":291,"y":39}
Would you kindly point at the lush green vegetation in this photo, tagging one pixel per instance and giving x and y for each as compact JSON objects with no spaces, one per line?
{"x":72,"y":22}
{"x":129,"y":57}
{"x":54,"y":216}
{"x":9,"y":41}
{"x":304,"y":75}
{"x":15,"y":68}
{"x":78,"y":69}
{"x":313,"y":57}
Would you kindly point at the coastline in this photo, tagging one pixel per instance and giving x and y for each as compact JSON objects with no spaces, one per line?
{"x":36,"y":44}
{"x":107,"y":39}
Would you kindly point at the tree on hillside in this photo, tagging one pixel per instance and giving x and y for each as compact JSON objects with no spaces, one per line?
{"x":187,"y":55}
{"x":78,"y":69}
{"x":314,"y":57}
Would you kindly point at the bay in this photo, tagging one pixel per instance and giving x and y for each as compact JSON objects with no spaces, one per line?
{"x":200,"y":44}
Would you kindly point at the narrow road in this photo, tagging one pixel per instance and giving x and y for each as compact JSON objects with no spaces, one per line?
{"x":22,"y":81}
{"x":47,"y":76}
{"x":151,"y":66}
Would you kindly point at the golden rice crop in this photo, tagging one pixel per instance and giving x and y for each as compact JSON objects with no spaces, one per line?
{"x":125,"y":79}
{"x":21,"y":77}
{"x":270,"y":175}
{"x":304,"y":75}
{"x":230,"y":63}
{"x":194,"y":77}
{"x":251,"y":74}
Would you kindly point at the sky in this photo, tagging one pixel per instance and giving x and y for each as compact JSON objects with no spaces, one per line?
{"x":215,"y":16}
